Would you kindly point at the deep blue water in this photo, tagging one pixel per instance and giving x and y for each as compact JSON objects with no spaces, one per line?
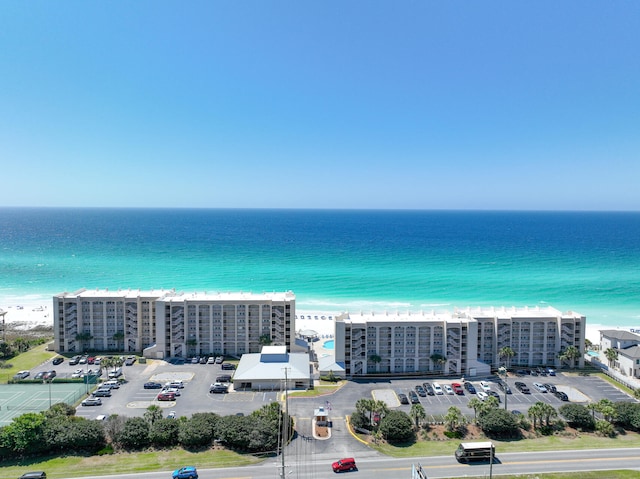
{"x":334,"y":259}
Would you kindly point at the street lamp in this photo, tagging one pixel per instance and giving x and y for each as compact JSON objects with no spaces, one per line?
{"x":504,"y":374}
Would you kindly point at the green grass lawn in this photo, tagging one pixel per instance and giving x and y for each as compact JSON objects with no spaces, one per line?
{"x":29,"y":360}
{"x":127,"y":463}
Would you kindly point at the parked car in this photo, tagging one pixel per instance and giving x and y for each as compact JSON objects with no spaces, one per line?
{"x":228,"y":366}
{"x":39,"y":375}
{"x":504,"y":387}
{"x":203,"y":360}
{"x":166,"y":397}
{"x":540,"y":387}
{"x":94,"y":401}
{"x":448,"y":389}
{"x":457,"y":388}
{"x":74,"y":360}
{"x":347,"y":464}
{"x":211,"y":360}
{"x":187,"y":472}
{"x":130,"y":360}
{"x":223,"y":378}
{"x":414,"y":397}
{"x":175,"y":391}
{"x":429,"y":388}
{"x":176,"y":383}
{"x":34,"y":475}
{"x":77,"y":373}
{"x":91,"y":360}
{"x":102,"y":393}
{"x":485,"y":385}
{"x":171,"y":415}
{"x":437,"y":388}
{"x":522,"y":387}
{"x":550,"y":387}
{"x":21,"y":375}
{"x":218,"y":388}
{"x":152,"y":385}
{"x":83,"y":359}
{"x":50,"y":374}
{"x":420,"y":390}
{"x":482,"y":395}
{"x":58,"y":360}
{"x":219,"y":360}
{"x":494,"y":394}
{"x":402,"y":397}
{"x":551,"y":371}
{"x":561,"y":395}
{"x":470,"y":387}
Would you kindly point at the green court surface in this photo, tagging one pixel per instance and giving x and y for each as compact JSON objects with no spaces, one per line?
{"x":18,"y":399}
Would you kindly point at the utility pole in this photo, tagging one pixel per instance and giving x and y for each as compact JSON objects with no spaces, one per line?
{"x":285,"y":422}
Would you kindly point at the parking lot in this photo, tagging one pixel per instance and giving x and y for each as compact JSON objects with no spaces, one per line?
{"x":132,"y":399}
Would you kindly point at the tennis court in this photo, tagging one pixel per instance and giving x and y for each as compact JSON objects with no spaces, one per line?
{"x":18,"y":399}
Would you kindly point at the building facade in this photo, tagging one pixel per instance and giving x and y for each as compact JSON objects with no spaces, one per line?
{"x":464,"y":342}
{"x":168,"y":324}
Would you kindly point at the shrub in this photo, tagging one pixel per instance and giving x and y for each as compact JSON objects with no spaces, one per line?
{"x":578,"y":416}
{"x":397,"y":427}
{"x":499,"y":423}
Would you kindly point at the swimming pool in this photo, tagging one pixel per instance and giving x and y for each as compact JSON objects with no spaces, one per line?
{"x":329,"y":344}
{"x":594,"y":354}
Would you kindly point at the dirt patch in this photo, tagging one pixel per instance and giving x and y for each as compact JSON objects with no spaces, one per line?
{"x":322,"y":431}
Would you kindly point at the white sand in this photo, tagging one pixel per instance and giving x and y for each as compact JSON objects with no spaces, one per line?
{"x":26,"y":315}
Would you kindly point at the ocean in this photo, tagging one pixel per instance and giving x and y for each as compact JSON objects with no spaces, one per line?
{"x":334,"y":260}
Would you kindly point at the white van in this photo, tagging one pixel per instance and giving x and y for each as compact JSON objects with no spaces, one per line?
{"x":112,"y":383}
{"x":116,"y":373}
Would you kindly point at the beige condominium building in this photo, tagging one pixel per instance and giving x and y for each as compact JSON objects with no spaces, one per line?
{"x":162,"y":323}
{"x":463,"y":342}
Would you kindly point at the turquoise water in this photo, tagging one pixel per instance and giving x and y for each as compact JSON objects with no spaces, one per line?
{"x":328,"y":344}
{"x":333,"y":260}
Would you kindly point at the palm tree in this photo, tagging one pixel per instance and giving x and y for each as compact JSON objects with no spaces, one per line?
{"x":82,"y":337}
{"x":607,"y":409}
{"x":265,"y":340}
{"x":375,"y":359}
{"x":192,"y":343}
{"x":454,"y":419}
{"x":381,"y":408}
{"x":536,"y":413}
{"x":477,"y":407}
{"x":612,"y":355}
{"x":153,"y":414}
{"x":417,"y":413}
{"x":365,"y":407}
{"x":507,"y":353}
{"x":636,"y":393}
{"x":548,"y":412}
{"x":117,"y":337}
{"x":570,"y":354}
{"x":439,"y":360}
{"x":587,"y":344}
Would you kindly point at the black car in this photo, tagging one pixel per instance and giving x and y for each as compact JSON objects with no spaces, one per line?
{"x":522,"y":387}
{"x":562,"y":396}
{"x":550,"y":387}
{"x":505,"y":387}
{"x":228,"y":366}
{"x":152,"y":385}
{"x":414,"y":397}
{"x":58,"y":360}
{"x":403,"y":398}
{"x":49,"y":374}
{"x":420,"y":390}
{"x":429,"y":388}
{"x":470,"y":387}
{"x":494,"y":394}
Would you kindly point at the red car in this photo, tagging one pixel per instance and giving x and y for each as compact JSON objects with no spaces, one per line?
{"x":457,"y":388}
{"x":166,"y":397}
{"x":347,"y":464}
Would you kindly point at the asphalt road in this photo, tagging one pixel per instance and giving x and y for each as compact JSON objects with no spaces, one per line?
{"x":379,"y":467}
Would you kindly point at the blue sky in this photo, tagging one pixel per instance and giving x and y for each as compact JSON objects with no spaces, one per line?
{"x":332,"y":104}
